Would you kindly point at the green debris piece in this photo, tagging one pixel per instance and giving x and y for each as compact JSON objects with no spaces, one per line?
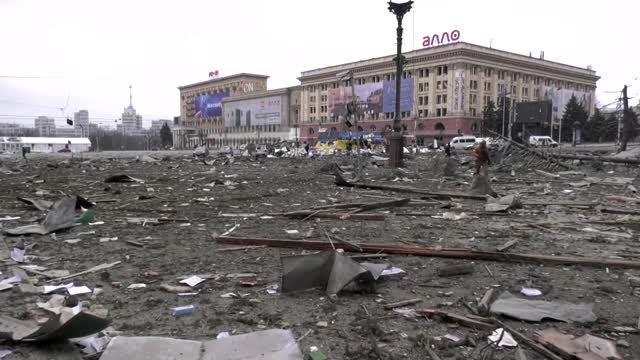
{"x":87,"y":217}
{"x":317,"y":355}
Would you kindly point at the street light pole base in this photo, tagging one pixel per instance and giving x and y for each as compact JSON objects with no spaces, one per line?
{"x":396,"y":149}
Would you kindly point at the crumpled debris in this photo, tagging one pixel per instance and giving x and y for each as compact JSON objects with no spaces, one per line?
{"x":65,"y":213}
{"x":452,"y":216}
{"x":328,"y":270}
{"x":503,"y":203}
{"x":66,"y":325}
{"x":537,"y":310}
{"x":504,"y":337}
{"x":587,"y":347}
{"x":39,"y":204}
{"x":122,"y":178}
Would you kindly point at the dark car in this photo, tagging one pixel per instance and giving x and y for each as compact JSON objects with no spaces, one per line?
{"x":65,"y":150}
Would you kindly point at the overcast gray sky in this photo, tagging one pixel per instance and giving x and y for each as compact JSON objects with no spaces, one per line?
{"x":93,"y":50}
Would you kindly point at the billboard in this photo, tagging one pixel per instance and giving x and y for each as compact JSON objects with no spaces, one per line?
{"x":368,"y":98}
{"x":560,"y":97}
{"x":534,"y":112}
{"x":459,"y":85}
{"x":261,"y":111}
{"x":209,"y":105}
{"x":389,"y":95}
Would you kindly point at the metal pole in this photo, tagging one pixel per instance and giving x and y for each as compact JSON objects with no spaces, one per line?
{"x":504,"y":109}
{"x":396,"y":138}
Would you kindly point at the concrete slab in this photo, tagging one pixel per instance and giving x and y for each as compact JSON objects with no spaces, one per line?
{"x":152,"y":348}
{"x":272,"y":344}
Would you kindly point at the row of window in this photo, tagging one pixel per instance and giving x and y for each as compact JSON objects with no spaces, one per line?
{"x":443,"y":70}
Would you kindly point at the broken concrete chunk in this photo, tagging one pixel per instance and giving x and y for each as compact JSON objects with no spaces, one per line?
{"x":587,"y":347}
{"x":537,"y":310}
{"x":503,"y":203}
{"x":328,"y":270}
{"x":261,"y":345}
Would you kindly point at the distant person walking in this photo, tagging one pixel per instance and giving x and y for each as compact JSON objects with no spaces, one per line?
{"x":482,"y":158}
{"x":447,"y":149}
{"x":24,"y":152}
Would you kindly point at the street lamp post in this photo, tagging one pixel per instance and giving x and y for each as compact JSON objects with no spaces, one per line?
{"x":396,"y":137}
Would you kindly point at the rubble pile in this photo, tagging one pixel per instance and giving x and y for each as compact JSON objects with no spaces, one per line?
{"x":208,"y":255}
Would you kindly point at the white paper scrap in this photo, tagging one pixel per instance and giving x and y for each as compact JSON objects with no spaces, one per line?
{"x":137,"y":286}
{"x":9,"y":218}
{"x":391,"y":271}
{"x":72,"y":241}
{"x":530,"y":292}
{"x":292,"y":232}
{"x":18,"y":255}
{"x":4,"y":353}
{"x":507,"y":340}
{"x":78,"y":290}
{"x":222,"y":335}
{"x":12,"y":280}
{"x":192,"y":280}
{"x":51,"y":288}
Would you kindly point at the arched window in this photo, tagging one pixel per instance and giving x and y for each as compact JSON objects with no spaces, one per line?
{"x":420,"y":126}
{"x":373,"y":128}
{"x":310,"y":131}
{"x":474,"y":127}
{"x":388,"y":128}
{"x":439,"y":127}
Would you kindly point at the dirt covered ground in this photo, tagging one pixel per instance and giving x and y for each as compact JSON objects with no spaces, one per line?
{"x":202,"y":201}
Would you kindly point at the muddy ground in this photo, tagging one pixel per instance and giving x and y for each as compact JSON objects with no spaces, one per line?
{"x":197,"y":195}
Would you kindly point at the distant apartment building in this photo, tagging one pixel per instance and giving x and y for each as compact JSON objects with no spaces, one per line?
{"x":81,"y":121}
{"x":9,"y":129}
{"x":45,"y":126}
{"x":156,"y":125}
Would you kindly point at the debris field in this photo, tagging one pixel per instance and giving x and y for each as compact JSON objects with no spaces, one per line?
{"x":354,"y":259}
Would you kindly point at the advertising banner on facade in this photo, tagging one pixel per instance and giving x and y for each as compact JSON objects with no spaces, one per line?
{"x":389,"y":95}
{"x":261,"y":111}
{"x":560,"y":97}
{"x":209,"y":105}
{"x":371,"y":98}
{"x":459,"y":87}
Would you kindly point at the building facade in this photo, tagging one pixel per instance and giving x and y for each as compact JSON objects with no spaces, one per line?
{"x":201,"y":119}
{"x":45,"y":126}
{"x":265,"y":117}
{"x":443,"y":92}
{"x":81,"y":121}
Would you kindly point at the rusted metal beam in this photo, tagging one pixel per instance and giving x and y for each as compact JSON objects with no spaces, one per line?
{"x":340,"y":181}
{"x":456,"y":253}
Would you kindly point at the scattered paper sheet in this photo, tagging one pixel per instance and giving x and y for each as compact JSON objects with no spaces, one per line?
{"x":391,"y":271}
{"x":137,"y":286}
{"x":51,"y":288}
{"x":530,"y":292}
{"x":10,"y":218}
{"x":292,"y":232}
{"x":507,"y":340}
{"x":78,"y":290}
{"x":192,"y":281}
{"x":18,"y":255}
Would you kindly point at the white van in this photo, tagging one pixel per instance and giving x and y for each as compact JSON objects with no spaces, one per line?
{"x":542,"y":141}
{"x":463,"y":142}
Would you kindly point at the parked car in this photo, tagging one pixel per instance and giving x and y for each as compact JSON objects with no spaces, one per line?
{"x":542,"y":141}
{"x":463,"y":142}
{"x":65,"y":150}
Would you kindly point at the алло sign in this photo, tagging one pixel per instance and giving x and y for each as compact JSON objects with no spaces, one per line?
{"x":442,"y":39}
